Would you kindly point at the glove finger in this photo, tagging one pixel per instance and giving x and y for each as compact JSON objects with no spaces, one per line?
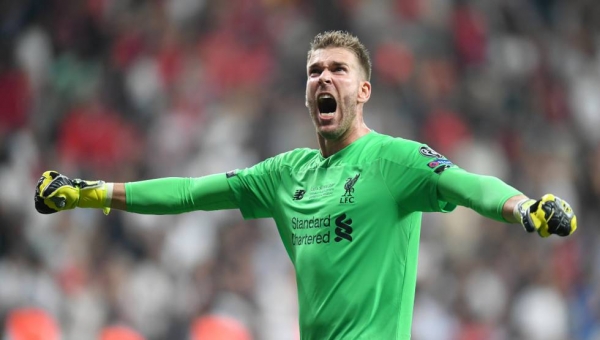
{"x":565,"y":207}
{"x":539,"y":219}
{"x":543,"y":231}
{"x":63,"y":198}
{"x":559,"y":222}
{"x":58,"y":182}
{"x":44,"y":181}
{"x":59,"y":201}
{"x":46,"y":178}
{"x":573,"y":224}
{"x":42,"y":207}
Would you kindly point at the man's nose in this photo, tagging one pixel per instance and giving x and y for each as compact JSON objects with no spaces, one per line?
{"x":325,"y":77}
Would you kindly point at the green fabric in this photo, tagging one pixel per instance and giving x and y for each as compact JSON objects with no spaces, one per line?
{"x":178,"y":195}
{"x":351,"y":225}
{"x":484,"y":194}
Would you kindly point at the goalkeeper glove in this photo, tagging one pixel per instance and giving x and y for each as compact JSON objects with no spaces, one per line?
{"x":55,"y":192}
{"x":548,"y":215}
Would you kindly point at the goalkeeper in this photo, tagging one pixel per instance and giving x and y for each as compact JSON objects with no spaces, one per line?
{"x":349,"y":213}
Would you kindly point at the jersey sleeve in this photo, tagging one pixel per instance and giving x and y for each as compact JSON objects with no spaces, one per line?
{"x":173,"y":195}
{"x":411,"y":171}
{"x":254,"y":188}
{"x":484,"y":194}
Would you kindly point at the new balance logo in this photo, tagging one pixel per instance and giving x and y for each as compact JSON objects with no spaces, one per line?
{"x":299,"y":194}
{"x":344,"y":228}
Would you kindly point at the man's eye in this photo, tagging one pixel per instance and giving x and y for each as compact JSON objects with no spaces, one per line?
{"x":340,"y":69}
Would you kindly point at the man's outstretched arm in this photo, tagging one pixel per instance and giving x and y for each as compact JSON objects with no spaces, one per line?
{"x":56,"y":192}
{"x":119,"y":197}
{"x":492,"y":198}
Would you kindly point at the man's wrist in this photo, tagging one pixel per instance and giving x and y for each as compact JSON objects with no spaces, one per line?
{"x":521,"y":209}
{"x":517,"y":210}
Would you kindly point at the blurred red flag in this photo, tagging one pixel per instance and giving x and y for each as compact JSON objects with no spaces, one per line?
{"x":214,"y":327}
{"x":119,"y":333}
{"x":31,"y":324}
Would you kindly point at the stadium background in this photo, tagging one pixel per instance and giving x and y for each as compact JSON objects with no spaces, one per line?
{"x":125,"y":90}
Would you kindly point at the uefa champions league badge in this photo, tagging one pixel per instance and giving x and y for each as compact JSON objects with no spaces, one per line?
{"x":429,"y":152}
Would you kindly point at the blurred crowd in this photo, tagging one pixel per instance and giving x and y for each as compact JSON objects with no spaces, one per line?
{"x":124,"y":90}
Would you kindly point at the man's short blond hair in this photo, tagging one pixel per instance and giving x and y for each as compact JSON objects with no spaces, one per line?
{"x":345,"y":40}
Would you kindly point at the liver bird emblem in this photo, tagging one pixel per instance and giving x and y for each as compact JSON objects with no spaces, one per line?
{"x":349,"y":186}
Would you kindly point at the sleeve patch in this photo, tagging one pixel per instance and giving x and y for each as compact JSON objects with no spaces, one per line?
{"x":231,"y":173}
{"x":429,"y":152}
{"x":439,"y":161}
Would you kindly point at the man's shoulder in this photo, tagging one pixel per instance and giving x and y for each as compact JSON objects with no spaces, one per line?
{"x":296,"y":157}
{"x":395,"y":146}
{"x":411,"y":153}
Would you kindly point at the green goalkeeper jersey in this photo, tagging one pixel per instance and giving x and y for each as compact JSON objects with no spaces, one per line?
{"x":350,"y":224}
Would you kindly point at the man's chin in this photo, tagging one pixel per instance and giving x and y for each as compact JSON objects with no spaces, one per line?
{"x":329,"y":132}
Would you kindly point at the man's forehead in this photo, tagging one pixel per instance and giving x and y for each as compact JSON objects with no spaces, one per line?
{"x":332,"y":55}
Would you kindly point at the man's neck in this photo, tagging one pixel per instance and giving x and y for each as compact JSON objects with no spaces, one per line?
{"x":329,"y":147}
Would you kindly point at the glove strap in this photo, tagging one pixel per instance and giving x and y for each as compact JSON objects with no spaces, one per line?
{"x":109,"y":194}
{"x":521,"y":214}
{"x":97,"y":194}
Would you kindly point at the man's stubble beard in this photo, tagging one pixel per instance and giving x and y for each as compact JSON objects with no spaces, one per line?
{"x":348,"y":111}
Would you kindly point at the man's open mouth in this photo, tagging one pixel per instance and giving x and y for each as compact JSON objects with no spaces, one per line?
{"x":327,"y":104}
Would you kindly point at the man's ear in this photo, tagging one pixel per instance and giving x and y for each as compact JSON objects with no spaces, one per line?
{"x":364,"y":92}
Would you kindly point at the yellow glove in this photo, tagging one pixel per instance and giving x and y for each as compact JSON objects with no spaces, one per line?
{"x":549,"y":215}
{"x":55,"y":192}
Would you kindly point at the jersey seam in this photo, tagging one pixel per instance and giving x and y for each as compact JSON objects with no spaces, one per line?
{"x":401,"y":297}
{"x":278,"y":184}
{"x":433,"y":198}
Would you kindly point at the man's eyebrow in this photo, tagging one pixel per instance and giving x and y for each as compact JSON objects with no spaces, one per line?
{"x":314,"y":65}
{"x":339,"y":63}
{"x":333,"y":63}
